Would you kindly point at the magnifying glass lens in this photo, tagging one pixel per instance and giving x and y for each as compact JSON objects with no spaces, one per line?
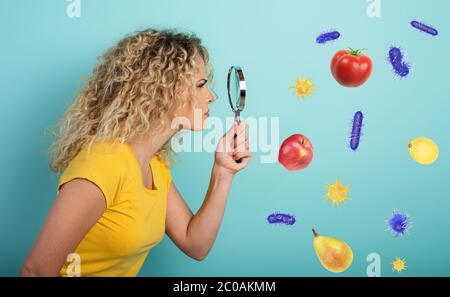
{"x":234,"y":89}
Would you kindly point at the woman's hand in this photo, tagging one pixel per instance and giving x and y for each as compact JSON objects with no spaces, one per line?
{"x":231,"y":149}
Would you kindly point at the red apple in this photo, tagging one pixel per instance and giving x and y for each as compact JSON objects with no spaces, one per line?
{"x":296,"y":152}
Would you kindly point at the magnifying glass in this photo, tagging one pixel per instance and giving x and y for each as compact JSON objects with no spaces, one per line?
{"x":236,"y":93}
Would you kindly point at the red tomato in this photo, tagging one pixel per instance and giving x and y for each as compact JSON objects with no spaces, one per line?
{"x":350,"y":68}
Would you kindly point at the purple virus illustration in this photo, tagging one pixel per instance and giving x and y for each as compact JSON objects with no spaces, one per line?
{"x":356,"y":130}
{"x":327,"y":36}
{"x":396,"y":59}
{"x":399,"y":223}
{"x":424,"y":28}
{"x":281,"y":218}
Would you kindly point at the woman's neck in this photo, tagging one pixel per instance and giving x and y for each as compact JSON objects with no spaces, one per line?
{"x":146,"y":147}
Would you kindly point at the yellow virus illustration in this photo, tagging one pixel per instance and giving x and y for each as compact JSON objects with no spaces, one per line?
{"x":337,"y":193}
{"x":303,"y":87}
{"x":398,"y":264}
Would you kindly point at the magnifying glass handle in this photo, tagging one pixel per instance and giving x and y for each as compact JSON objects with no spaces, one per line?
{"x":238,"y":120}
{"x":239,"y":160}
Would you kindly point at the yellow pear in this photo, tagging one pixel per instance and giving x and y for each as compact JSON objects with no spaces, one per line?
{"x":423,"y":150}
{"x":334,"y":254}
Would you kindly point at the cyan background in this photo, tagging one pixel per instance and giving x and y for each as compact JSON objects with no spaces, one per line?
{"x":44,"y":54}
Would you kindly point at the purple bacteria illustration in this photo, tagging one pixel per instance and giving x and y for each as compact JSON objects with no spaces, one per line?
{"x":327,"y":36}
{"x":281,"y":218}
{"x":399,"y":66}
{"x":356,"y":130}
{"x":424,"y":28}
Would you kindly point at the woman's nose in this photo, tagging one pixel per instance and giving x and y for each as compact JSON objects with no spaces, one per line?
{"x":212,"y":96}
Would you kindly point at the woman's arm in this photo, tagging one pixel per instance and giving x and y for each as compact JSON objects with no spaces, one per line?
{"x":195,"y":234}
{"x":77,"y":208}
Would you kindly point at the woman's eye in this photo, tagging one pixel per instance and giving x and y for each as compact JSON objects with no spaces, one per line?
{"x":203,"y":84}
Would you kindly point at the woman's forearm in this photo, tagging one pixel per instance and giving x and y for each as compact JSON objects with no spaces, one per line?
{"x":204,"y":225}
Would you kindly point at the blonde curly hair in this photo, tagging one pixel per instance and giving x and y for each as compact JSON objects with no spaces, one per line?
{"x":132,"y":88}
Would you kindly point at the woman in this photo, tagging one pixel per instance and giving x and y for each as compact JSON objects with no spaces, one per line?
{"x":116,"y":197}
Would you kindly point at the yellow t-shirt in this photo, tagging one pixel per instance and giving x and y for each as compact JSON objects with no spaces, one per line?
{"x":134,"y":219}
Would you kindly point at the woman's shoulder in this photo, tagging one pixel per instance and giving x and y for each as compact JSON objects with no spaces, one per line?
{"x":104,"y":151}
{"x":103,"y":147}
{"x":103,"y":163}
{"x":102,"y":158}
{"x":106,"y":158}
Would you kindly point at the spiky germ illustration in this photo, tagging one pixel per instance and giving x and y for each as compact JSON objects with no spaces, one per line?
{"x":399,"y":223}
{"x":399,"y":65}
{"x":337,"y":193}
{"x":303,"y":87}
{"x":398,"y":264}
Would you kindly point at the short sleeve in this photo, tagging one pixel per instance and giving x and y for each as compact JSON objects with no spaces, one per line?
{"x":104,"y":169}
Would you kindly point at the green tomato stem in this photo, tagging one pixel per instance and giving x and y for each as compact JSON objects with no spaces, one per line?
{"x":356,"y":52}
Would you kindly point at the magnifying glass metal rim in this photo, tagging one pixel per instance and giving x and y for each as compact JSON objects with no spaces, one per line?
{"x":241,"y":94}
{"x":242,"y":89}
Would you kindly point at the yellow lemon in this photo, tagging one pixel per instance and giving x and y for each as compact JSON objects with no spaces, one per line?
{"x":423,"y":150}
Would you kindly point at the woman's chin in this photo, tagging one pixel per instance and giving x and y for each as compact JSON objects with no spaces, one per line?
{"x":199,"y":127}
{"x":202,"y":127}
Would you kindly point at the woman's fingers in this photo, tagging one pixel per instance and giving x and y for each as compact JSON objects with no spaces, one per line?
{"x":241,"y":136}
{"x":242,"y":151}
{"x":241,"y":126}
{"x":244,"y":155}
{"x":241,"y":139}
{"x":227,"y":143}
{"x":242,"y":147}
{"x":245,"y":159}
